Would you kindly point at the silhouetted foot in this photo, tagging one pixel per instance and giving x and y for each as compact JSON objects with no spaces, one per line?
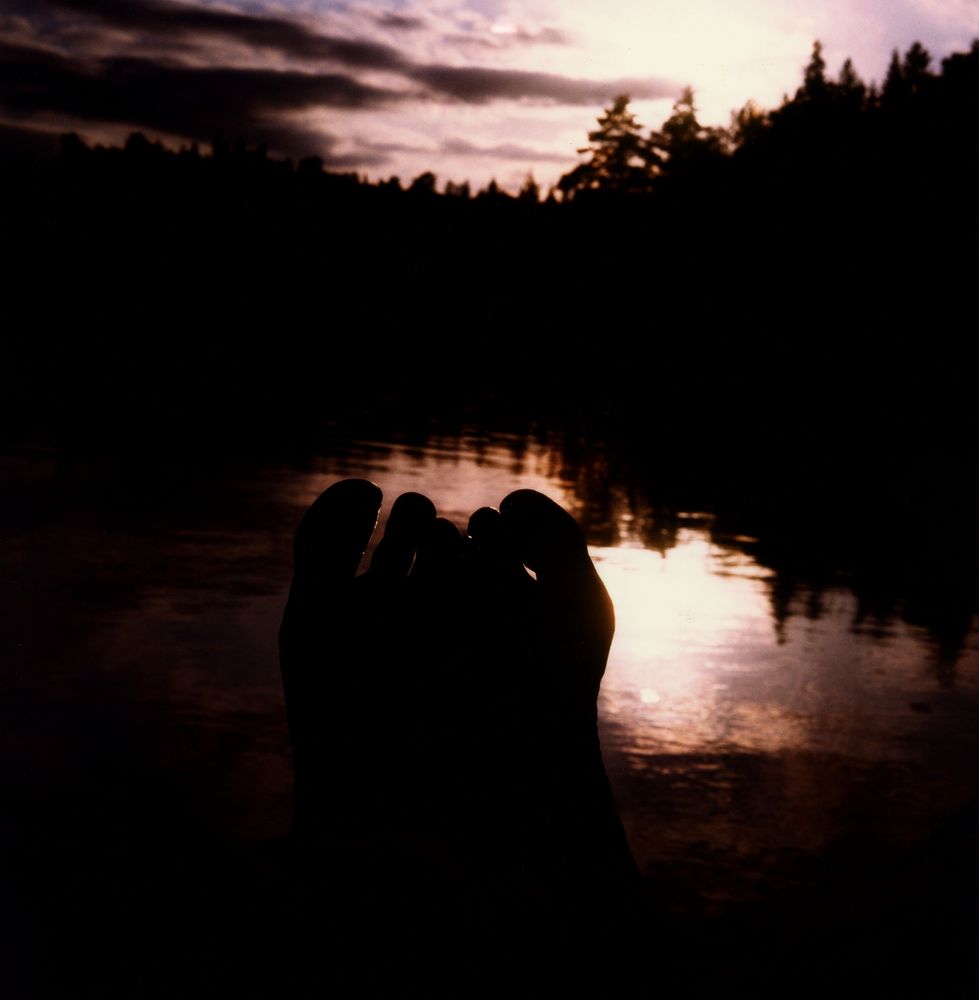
{"x":442,"y":709}
{"x":447,"y":691}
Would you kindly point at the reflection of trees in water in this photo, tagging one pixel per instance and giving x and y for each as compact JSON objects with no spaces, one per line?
{"x":899,"y":564}
{"x":891,"y":581}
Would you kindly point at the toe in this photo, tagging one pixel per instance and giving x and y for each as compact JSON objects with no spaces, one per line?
{"x":411,"y":519}
{"x":546,"y":536}
{"x":579,"y":618}
{"x":494,"y":546}
{"x":438,"y":551}
{"x":334,"y":532}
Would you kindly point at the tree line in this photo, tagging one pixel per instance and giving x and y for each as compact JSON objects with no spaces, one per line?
{"x":826,"y":117}
{"x":922,"y":112}
{"x":888,"y":167}
{"x":825,"y":229}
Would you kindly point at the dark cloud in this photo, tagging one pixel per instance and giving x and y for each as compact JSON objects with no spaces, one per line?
{"x":288,"y":37}
{"x":386,"y":148}
{"x":546,"y":36}
{"x":505,"y":39}
{"x":63,"y":61}
{"x":472,"y":84}
{"x":355,"y":159}
{"x":502,"y":151}
{"x":462,"y":147}
{"x":473,"y":41}
{"x":183,"y":101}
{"x":524,"y":36}
{"x":400,"y":22}
{"x":478,"y":85}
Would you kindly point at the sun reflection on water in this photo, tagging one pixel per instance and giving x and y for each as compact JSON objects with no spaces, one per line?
{"x":739,"y":721}
{"x":680,"y":615}
{"x":744,"y":725}
{"x":701,"y":663}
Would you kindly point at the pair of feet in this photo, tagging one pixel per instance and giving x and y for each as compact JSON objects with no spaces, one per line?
{"x":446,"y":696}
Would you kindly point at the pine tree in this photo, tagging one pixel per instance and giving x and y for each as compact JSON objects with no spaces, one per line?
{"x":893,"y":94}
{"x":620,"y":161}
{"x":683,"y":143}
{"x":814,"y":86}
{"x":748,"y":124}
{"x":850,"y":90}
{"x":917,"y":73}
{"x":530,"y":192}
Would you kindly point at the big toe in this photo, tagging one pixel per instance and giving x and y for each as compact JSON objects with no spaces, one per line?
{"x":336,"y":529}
{"x":553,"y":546}
{"x":546,"y":536}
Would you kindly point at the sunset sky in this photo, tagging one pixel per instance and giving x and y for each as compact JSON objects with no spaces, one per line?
{"x":470,"y":89}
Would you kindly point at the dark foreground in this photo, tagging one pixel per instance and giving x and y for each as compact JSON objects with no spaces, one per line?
{"x":146,"y":848}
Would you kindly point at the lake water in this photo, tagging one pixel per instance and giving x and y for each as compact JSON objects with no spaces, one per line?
{"x":745,"y":747}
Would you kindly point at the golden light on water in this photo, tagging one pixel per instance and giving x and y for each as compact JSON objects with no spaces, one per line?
{"x":699,"y":667}
{"x":661,"y":599}
{"x":714,"y":716}
{"x":679,"y":617}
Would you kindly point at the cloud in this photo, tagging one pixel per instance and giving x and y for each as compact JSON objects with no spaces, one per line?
{"x":544,"y":36}
{"x":400,"y":22}
{"x":365,"y":159}
{"x":386,"y":148}
{"x":192,"y":102}
{"x":473,"y":41}
{"x":290,"y":38}
{"x":276,"y":89}
{"x":472,"y":84}
{"x":478,"y":84}
{"x":463,"y":147}
{"x":501,"y":151}
{"x":498,"y":38}
{"x":195,"y":72}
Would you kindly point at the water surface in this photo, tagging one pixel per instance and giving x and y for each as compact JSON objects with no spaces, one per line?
{"x":748,"y":738}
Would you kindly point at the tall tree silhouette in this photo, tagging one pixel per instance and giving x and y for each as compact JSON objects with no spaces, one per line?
{"x":621,"y":160}
{"x":892,"y":93}
{"x":917,"y":71}
{"x":530,"y":191}
{"x":748,"y":125}
{"x":814,"y":86}
{"x":424,"y":184}
{"x":683,"y":146}
{"x":850,"y":90}
{"x":908,"y":80}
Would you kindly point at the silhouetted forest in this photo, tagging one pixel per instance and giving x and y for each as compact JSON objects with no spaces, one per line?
{"x":772,"y":321}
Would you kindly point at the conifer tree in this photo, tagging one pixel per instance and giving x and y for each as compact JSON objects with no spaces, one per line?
{"x":814,"y":86}
{"x":683,"y":143}
{"x":620,"y":161}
